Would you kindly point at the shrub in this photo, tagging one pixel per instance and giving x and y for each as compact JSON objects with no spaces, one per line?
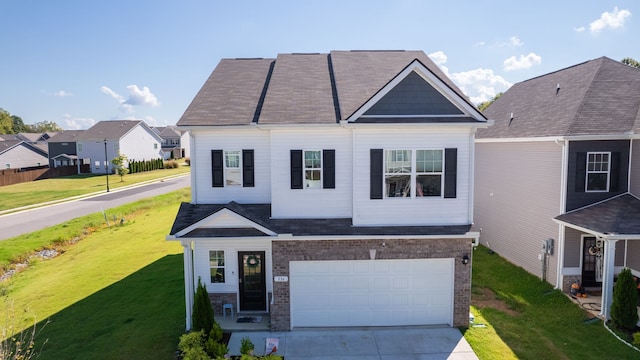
{"x":624,"y":313}
{"x":187,"y":161}
{"x":191,"y":346}
{"x":202,"y":315}
{"x":216,"y":332}
{"x":216,"y":349}
{"x":636,"y":339}
{"x":172,"y":164}
{"x":246,"y":346}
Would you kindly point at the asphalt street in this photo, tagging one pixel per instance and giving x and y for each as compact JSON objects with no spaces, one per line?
{"x":27,"y":221}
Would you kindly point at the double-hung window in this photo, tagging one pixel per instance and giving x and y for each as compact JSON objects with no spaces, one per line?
{"x":216,"y":265}
{"x":413,"y":173}
{"x":598,"y":167}
{"x":312,"y":169}
{"x":232,"y":174}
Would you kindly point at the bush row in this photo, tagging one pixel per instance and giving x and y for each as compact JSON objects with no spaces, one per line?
{"x":145,"y":165}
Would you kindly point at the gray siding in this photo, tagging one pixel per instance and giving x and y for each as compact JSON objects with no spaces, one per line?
{"x":572,"y":247}
{"x":634,"y":187}
{"x":633,"y":258}
{"x":517,"y":194}
{"x":58,"y":148}
{"x":578,"y":199}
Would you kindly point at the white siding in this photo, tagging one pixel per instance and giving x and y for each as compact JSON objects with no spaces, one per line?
{"x":230,"y":139}
{"x":94,"y":150}
{"x":310,"y":203}
{"x":517,"y":195}
{"x":407,"y":211}
{"x":139,"y":144}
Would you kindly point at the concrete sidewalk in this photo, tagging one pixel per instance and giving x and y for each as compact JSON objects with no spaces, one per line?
{"x":426,"y":343}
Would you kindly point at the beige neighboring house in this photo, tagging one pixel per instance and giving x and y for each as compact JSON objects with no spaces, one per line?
{"x":558,"y":175}
{"x":18,"y":154}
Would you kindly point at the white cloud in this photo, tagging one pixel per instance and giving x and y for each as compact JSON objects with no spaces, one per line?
{"x":579,"y":29}
{"x":515,"y":41}
{"x":611,"y":20}
{"x":77,"y":123}
{"x":524,"y":62}
{"x":62,"y":93}
{"x":137,"y":97}
{"x":479,"y":84}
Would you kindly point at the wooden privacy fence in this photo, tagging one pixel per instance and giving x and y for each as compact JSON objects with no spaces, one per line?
{"x":16,"y":176}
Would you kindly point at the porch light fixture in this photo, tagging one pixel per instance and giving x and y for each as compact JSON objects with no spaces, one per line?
{"x":465,"y":260}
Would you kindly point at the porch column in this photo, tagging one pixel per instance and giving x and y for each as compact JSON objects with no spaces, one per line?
{"x":188,"y":280}
{"x":607,"y":281}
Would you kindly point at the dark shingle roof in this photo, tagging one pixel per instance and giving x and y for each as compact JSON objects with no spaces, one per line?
{"x":618,"y":215}
{"x":66,"y":136}
{"x":597,"y":97}
{"x":111,"y":129}
{"x":299,"y":88}
{"x":189,"y":214}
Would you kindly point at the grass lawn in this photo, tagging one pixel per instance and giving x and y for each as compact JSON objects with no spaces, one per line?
{"x":527,"y":319}
{"x":35,"y":192}
{"x":116,"y":294}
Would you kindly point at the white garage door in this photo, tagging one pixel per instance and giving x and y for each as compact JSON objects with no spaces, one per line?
{"x":371,"y":292}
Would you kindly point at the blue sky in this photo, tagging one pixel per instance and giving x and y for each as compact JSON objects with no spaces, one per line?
{"x":79,"y":62}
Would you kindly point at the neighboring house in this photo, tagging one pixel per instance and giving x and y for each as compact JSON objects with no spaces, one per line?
{"x":331,"y":190}
{"x":102,"y":141}
{"x":558,"y":175}
{"x":18,"y":154}
{"x":35,"y":137}
{"x":63,"y":148}
{"x":171,"y":141}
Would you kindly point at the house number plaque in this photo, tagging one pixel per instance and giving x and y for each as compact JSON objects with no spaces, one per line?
{"x":280,"y":278}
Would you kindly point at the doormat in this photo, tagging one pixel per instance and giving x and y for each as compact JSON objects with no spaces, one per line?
{"x":250,"y":319}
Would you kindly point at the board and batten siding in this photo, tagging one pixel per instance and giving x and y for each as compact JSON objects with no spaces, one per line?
{"x":634,"y":184}
{"x":411,"y":211}
{"x":139,"y":144}
{"x":230,"y":140}
{"x":517,"y":195}
{"x":310,"y":203}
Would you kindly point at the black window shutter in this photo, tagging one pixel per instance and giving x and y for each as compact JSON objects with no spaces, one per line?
{"x":247,"y":169}
{"x":450,"y":173}
{"x":376,"y":175}
{"x":614,"y":174}
{"x":328,"y":169}
{"x":217,"y":168}
{"x":581,"y":171}
{"x":296,"y":169}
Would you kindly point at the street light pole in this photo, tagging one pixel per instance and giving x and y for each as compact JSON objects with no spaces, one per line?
{"x":106,"y":163}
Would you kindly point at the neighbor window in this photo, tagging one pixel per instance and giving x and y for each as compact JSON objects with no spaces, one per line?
{"x":312,"y":169}
{"x":403,"y":168}
{"x":97,"y":164}
{"x":216,"y":264}
{"x":232,"y":173}
{"x":598,"y":171}
{"x":428,"y":172}
{"x":155,"y":145}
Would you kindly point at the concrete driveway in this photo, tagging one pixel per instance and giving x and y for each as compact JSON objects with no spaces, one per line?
{"x":426,"y":343}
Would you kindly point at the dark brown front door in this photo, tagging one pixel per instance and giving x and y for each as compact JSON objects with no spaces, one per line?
{"x":592,"y":258}
{"x":252,"y":286}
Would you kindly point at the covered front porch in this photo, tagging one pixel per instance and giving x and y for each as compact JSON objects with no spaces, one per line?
{"x":613,"y":221}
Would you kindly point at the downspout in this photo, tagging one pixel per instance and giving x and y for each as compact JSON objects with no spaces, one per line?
{"x":189,"y":289}
{"x":194,"y":169}
{"x":629,"y":170}
{"x":563,"y":206}
{"x":472,"y":160}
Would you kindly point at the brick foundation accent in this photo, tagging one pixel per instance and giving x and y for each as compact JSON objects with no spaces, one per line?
{"x":218,"y":299}
{"x":568,"y":280}
{"x":285,"y":251}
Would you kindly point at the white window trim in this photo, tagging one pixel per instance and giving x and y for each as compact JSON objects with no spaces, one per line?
{"x":224,"y":267}
{"x":413,"y":174}
{"x":608,"y":172}
{"x":226,"y":169}
{"x":305,"y":182}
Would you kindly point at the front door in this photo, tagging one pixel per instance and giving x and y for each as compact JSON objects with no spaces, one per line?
{"x":252,"y":285}
{"x":592,"y":262}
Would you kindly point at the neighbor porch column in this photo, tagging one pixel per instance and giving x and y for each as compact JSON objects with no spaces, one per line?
{"x":188,"y":279}
{"x":607,"y":281}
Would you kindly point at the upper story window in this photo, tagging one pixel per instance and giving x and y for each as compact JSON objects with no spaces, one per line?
{"x":312,"y":169}
{"x":598,"y":167}
{"x":232,"y":174}
{"x":216,"y":265}
{"x":232,"y":168}
{"x":404,"y":168}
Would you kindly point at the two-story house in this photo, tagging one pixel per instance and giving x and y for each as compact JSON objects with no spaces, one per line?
{"x":63,"y":148}
{"x":99,"y":144}
{"x":558,"y":175}
{"x":331,"y":190}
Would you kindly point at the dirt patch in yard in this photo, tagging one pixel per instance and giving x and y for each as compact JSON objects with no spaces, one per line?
{"x":488,"y":299}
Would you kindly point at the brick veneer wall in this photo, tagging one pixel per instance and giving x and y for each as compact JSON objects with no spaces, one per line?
{"x":285,"y":251}
{"x":219,"y":299}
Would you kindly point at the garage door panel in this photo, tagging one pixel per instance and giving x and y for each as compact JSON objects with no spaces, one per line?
{"x":371,"y":292}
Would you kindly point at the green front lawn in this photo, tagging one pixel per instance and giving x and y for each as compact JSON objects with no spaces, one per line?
{"x":526,"y":318}
{"x":40,"y":191}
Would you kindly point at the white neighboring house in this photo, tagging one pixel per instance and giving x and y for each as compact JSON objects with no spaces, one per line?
{"x":133,"y":138}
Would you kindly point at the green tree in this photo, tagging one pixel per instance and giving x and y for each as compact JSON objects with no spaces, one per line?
{"x":202,"y":314}
{"x":631,"y":62}
{"x":624,"y":313}
{"x":118,"y":163}
{"x":18,"y":125}
{"x":6,"y":126}
{"x":44,"y":126}
{"x":483,"y":105}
